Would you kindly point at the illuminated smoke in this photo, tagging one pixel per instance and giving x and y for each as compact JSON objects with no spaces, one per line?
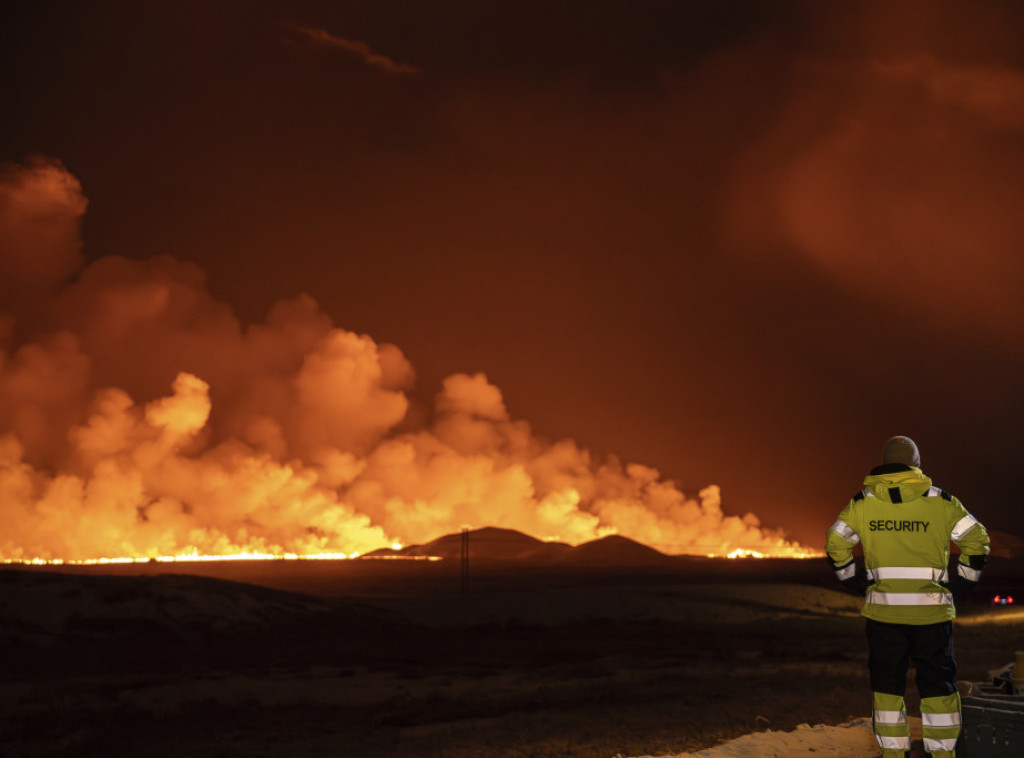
{"x":898,"y":169}
{"x":40,"y":214}
{"x":143,"y":419}
{"x":356,"y":48}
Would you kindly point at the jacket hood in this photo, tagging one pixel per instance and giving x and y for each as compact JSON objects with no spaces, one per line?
{"x":896,"y":483}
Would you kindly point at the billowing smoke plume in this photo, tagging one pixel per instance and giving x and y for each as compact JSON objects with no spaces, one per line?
{"x":140,"y":418}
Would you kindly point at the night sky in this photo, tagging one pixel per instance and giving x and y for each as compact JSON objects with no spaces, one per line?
{"x":740,"y":242}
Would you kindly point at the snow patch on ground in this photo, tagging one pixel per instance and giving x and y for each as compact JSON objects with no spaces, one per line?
{"x":850,"y":740}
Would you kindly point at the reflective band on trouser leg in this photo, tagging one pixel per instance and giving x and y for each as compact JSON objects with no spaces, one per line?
{"x":900,"y":744}
{"x":940,"y":724}
{"x":940,"y":748}
{"x":890,"y":717}
{"x":890,"y":724}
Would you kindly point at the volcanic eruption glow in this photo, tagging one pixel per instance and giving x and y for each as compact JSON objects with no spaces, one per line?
{"x":140,"y":420}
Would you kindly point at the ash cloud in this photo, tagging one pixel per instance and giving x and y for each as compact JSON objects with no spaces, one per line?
{"x":147,"y":420}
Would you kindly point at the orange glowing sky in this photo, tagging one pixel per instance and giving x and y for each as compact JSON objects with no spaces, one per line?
{"x":737,"y":243}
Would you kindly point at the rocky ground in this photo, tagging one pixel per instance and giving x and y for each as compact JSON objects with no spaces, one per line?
{"x":171,"y":665}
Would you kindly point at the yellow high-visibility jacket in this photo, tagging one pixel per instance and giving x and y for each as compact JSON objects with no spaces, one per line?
{"x":905,"y":525}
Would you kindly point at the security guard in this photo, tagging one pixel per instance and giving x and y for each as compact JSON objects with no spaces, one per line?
{"x":905,"y":525}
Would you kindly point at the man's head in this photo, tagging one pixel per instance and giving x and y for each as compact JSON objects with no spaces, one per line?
{"x":901,"y":450}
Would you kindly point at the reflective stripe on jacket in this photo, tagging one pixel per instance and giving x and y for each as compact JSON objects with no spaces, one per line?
{"x":905,"y":525}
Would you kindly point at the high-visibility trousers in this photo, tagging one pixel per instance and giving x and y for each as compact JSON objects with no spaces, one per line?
{"x":930,"y":648}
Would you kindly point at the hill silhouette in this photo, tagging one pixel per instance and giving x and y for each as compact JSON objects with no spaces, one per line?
{"x":618,"y":550}
{"x":508,"y":545}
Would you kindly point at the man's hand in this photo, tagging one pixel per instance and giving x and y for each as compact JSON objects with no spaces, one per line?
{"x":960,"y":587}
{"x":966,"y":577}
{"x":858,"y":583}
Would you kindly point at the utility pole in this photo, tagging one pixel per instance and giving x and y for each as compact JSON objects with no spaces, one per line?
{"x":465,"y":560}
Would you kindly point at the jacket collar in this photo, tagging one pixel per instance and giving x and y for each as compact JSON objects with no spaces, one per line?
{"x":889,"y":468}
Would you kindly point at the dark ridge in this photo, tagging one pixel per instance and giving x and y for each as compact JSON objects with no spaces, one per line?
{"x":621,"y":551}
{"x":508,"y":545}
{"x":492,"y":544}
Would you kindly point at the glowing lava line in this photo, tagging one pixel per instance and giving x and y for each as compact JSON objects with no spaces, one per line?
{"x":799,"y":553}
{"x":197,"y":558}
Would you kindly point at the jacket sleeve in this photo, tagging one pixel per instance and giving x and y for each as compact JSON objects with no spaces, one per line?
{"x":840,"y":540}
{"x":972,"y":539}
